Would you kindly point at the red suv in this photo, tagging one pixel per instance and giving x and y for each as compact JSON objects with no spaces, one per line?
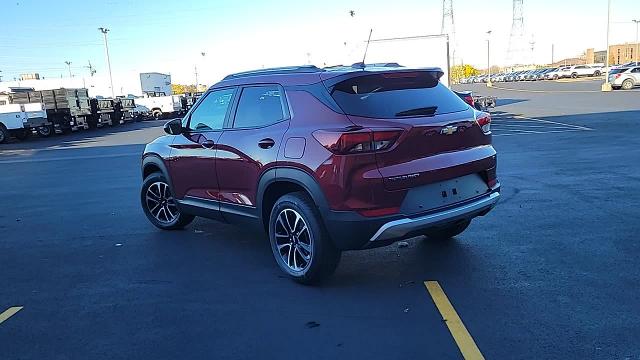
{"x":325,"y":160}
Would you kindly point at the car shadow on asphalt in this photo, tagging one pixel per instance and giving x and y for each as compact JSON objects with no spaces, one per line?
{"x":76,"y":138}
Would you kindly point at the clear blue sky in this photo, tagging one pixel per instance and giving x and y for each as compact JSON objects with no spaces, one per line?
{"x":168,"y":36}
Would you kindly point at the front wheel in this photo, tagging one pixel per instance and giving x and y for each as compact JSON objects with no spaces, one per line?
{"x":448,"y":231}
{"x":597,"y":73}
{"x":4,"y":134}
{"x":160,"y":206}
{"x":299,"y":241}
{"x":157,"y":114}
{"x":574,"y":75}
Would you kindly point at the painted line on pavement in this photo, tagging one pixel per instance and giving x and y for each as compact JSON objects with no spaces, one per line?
{"x":553,"y":122}
{"x":463,"y":339}
{"x":64,"y":158}
{"x":546,"y":91}
{"x":524,"y":132}
{"x":9,"y":313}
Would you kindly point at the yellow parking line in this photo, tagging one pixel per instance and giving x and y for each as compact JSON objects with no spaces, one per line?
{"x":9,"y":313}
{"x":465,"y":342}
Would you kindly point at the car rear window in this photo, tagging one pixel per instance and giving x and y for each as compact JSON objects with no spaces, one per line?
{"x":617,"y":71}
{"x":396,"y":95}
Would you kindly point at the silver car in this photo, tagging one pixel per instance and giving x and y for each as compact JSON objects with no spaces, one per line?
{"x":625,"y":78}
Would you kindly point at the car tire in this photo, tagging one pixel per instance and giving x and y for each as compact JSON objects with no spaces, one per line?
{"x":4,"y":134}
{"x":574,"y":75}
{"x":627,"y":84}
{"x":555,"y":77}
{"x":157,"y":114}
{"x":597,"y":73}
{"x":448,"y":231}
{"x":299,"y":240}
{"x":159,"y":205}
{"x":45,"y":131}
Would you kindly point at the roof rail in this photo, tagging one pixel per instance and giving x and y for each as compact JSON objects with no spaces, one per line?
{"x":276,"y":71}
{"x":361,"y":65}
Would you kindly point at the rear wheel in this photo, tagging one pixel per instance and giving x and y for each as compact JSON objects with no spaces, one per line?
{"x":160,"y":206}
{"x":555,"y":77}
{"x":157,"y":114}
{"x":627,"y":84}
{"x":299,"y":241}
{"x":597,"y":73}
{"x":574,"y":75}
{"x":448,"y":231}
{"x":45,"y":131}
{"x":4,"y":134}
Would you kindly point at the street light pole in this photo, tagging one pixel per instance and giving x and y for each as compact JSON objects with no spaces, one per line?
{"x":637,"y":44}
{"x":489,"y":58}
{"x":69,"y":66}
{"x":607,"y":86}
{"x":104,"y":32}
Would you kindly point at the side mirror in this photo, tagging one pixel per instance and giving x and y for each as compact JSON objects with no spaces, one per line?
{"x":173,"y":127}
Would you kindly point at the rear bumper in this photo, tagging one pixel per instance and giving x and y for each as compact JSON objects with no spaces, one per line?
{"x":402,"y":227}
{"x":351,"y":231}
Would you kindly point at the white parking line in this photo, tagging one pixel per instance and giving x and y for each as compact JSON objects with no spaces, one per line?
{"x":524,"y":132}
{"x":553,"y":122}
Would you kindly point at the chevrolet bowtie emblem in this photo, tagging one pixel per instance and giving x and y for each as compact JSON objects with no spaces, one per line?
{"x":449,"y":130}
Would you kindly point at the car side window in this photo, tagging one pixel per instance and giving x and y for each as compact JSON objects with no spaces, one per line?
{"x":636,"y":70}
{"x":259,"y":106}
{"x":210,"y":113}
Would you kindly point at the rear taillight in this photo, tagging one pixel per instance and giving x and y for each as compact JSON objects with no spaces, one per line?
{"x":469,"y":100}
{"x":357,"y":142}
{"x":617,"y":76}
{"x":484,"y":121}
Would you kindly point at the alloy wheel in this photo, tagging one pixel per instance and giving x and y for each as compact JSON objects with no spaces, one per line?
{"x":293,"y":240}
{"x":161,"y":204}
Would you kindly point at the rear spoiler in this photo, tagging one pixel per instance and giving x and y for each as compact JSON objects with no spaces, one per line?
{"x":329,"y":83}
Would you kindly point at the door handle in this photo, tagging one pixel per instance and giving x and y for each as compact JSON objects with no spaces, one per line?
{"x":266,"y":143}
{"x":208,"y":144}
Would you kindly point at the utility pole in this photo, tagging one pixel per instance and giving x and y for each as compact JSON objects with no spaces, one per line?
{"x":607,"y":85}
{"x":489,"y":58}
{"x":92,"y":70}
{"x":195,"y":67}
{"x":449,"y":27}
{"x":637,"y":57}
{"x":552,"y":53}
{"x":69,"y":67}
{"x":104,"y":32}
{"x":532,"y":43}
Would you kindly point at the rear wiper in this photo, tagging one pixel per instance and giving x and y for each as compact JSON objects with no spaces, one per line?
{"x":423,"y":111}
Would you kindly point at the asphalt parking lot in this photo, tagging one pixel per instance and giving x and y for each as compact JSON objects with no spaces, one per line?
{"x":551,"y":273}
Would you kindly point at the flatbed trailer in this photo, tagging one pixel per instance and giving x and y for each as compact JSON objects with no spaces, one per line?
{"x":67,"y":109}
{"x":124,"y":108}
{"x":102,"y":113}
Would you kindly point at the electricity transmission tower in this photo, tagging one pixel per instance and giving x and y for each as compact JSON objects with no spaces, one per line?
{"x":449,"y":27}
{"x":515,"y":52}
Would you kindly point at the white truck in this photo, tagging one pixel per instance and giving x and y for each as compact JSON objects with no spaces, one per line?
{"x":160,"y":105}
{"x":20,"y":120}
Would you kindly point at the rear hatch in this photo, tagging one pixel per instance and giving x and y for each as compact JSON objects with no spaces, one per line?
{"x":439,"y":137}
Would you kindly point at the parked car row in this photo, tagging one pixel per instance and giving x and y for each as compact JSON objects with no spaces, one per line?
{"x":538,"y":74}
